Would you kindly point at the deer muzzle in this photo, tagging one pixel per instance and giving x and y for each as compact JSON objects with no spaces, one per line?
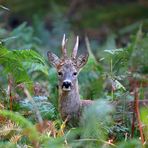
{"x":66,"y":86}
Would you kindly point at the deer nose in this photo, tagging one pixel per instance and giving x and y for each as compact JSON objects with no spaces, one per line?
{"x":66,"y":84}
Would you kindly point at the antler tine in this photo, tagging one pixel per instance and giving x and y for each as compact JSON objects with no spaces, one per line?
{"x":74,"y":53}
{"x":64,"y":52}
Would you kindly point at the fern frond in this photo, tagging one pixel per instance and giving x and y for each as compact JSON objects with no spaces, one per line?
{"x":27,"y":126}
{"x":9,"y":128}
{"x":18,"y":62}
{"x":14,"y":139}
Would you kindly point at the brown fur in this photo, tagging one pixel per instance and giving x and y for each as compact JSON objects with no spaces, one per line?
{"x":71,"y":106}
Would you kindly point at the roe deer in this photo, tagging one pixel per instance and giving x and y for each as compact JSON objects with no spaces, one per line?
{"x":68,"y":68}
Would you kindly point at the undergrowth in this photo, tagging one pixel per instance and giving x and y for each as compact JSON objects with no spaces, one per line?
{"x":106,"y":77}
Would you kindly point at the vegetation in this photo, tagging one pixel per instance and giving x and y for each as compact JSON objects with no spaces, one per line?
{"x":116,"y":77}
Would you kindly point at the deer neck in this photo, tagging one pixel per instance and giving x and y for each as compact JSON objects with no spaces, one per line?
{"x":69,"y":102}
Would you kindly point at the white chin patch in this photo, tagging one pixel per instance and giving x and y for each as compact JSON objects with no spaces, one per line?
{"x":66,"y":89}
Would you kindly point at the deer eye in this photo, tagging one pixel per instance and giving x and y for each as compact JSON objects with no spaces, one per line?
{"x":60,"y":73}
{"x":75,"y":73}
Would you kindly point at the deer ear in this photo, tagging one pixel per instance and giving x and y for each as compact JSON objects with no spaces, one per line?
{"x":53,"y":59}
{"x":82,"y":60}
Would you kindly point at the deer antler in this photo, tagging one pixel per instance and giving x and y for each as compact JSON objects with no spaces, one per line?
{"x":74,"y":53}
{"x":64,"y":52}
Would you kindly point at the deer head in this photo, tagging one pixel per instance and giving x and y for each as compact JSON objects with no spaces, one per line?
{"x":68,"y":68}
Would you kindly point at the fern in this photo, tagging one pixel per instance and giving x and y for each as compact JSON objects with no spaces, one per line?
{"x":28,"y":127}
{"x":8,"y":129}
{"x":15,"y":138}
{"x":46,"y":109}
{"x":17,"y":63}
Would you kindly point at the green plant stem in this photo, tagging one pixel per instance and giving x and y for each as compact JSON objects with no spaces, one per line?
{"x":111,"y":72}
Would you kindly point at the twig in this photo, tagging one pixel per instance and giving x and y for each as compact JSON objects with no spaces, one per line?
{"x":138,"y":115}
{"x":67,"y":135}
{"x":97,"y":140}
{"x":5,"y":8}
